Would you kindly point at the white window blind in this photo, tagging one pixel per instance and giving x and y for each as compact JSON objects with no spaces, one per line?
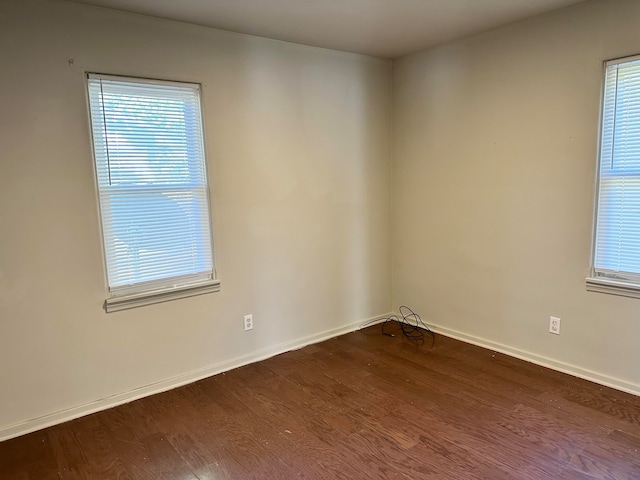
{"x":152,"y":183}
{"x":617,"y":246}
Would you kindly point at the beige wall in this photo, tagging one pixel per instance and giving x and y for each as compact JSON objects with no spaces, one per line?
{"x":495,"y":155}
{"x":299,"y":152}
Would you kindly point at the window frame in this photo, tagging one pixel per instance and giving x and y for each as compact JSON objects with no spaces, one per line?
{"x":147,"y":293}
{"x":598,"y":281}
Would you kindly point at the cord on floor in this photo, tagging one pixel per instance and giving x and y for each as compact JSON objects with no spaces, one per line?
{"x":411,"y":325}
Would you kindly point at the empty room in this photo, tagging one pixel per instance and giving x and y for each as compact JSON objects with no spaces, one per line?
{"x":388,"y":239}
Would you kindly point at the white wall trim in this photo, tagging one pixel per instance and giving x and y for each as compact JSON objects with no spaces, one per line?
{"x":22,"y":428}
{"x":613,"y":287}
{"x":116,"y":304}
{"x":585,"y":374}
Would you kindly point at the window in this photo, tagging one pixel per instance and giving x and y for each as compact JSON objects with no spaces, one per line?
{"x":616,"y":256}
{"x":152,"y":187}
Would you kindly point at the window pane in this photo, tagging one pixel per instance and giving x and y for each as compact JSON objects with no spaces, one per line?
{"x":617,"y":249}
{"x":152,"y":181}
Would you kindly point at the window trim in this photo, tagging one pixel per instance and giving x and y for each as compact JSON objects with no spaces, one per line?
{"x":612,"y":287}
{"x":117,"y":300}
{"x":149,"y":297}
{"x":596,"y":282}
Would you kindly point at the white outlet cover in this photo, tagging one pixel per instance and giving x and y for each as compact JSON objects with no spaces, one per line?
{"x":554,"y":325}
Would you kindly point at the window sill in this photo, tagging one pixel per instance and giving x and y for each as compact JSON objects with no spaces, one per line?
{"x":124,"y":302}
{"x":613,"y":287}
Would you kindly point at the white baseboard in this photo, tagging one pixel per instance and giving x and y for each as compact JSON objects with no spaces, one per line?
{"x":54,"y":418}
{"x":570,"y":369}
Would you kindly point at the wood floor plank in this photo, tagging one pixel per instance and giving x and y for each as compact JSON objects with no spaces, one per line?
{"x":300,"y":415}
{"x":28,"y":457}
{"x":363,"y":405}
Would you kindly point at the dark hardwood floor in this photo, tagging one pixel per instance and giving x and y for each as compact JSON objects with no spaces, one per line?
{"x":362,"y":405}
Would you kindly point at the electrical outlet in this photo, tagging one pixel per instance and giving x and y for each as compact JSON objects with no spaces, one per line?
{"x":248,"y":322}
{"x":554,"y":325}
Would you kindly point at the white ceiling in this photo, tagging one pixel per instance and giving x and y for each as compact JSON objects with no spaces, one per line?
{"x":382,"y":28}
